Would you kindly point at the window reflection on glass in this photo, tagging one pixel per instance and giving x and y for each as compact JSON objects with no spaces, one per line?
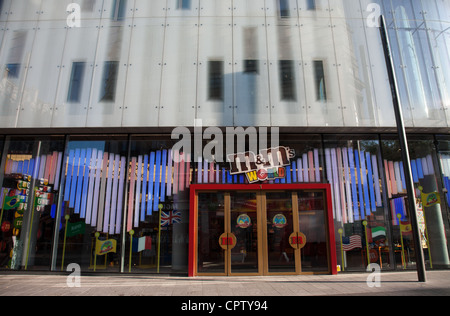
{"x":29,"y":195}
{"x":76,"y":82}
{"x":109,"y":81}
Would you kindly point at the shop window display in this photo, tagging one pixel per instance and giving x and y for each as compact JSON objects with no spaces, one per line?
{"x":29,"y":195}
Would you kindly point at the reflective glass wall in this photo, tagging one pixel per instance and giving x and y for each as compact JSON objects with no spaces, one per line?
{"x":113,"y":63}
{"x":120,"y":203}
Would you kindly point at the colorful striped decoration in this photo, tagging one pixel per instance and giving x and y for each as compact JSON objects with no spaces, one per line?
{"x":95,"y":181}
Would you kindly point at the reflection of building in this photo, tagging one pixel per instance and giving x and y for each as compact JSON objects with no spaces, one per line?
{"x":89,"y":111}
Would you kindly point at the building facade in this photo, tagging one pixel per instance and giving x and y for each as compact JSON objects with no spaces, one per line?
{"x":221,"y":137}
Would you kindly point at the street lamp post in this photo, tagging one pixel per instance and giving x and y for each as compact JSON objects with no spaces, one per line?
{"x":420,"y":263}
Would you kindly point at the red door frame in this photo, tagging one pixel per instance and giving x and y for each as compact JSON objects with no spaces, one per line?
{"x":193,"y":216}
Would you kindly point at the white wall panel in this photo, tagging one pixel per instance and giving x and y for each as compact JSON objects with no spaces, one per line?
{"x":284,"y":47}
{"x":251,"y":86}
{"x":81,"y":46}
{"x":215,"y":44}
{"x":39,"y":92}
{"x":178,"y":86}
{"x":143,"y":86}
{"x":16,"y":52}
{"x":113,"y":47}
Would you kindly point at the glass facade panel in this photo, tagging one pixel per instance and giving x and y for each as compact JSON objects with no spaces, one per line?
{"x":139,"y":66}
{"x":336,"y":74}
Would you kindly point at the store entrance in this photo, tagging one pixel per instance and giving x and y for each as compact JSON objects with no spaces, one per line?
{"x":260,"y":231}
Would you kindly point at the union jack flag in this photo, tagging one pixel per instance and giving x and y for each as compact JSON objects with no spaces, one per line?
{"x":170,"y":218}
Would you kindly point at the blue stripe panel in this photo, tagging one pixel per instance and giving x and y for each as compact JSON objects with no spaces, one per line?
{"x":360,"y":191}
{"x":447,"y":186}
{"x":25,"y":167}
{"x":419,"y":169}
{"x":73,"y":185}
{"x":79,"y":182}
{"x":151,"y":166}
{"x":223,"y":175}
{"x":398,"y":203}
{"x":144,"y":188}
{"x":365,"y":187}
{"x":353,"y":180}
{"x":53,"y":211}
{"x":163,"y":175}
{"x":402,"y":175}
{"x":294,"y":172}
{"x":69,"y":176}
{"x":370,"y":184}
{"x":20,"y":167}
{"x":288,"y":174}
{"x":157,"y":181}
{"x":31,"y":167}
{"x":414,"y":171}
{"x":229,"y":178}
{"x":85,"y":183}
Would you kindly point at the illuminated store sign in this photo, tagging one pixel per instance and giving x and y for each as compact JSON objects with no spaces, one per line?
{"x":268,"y":165}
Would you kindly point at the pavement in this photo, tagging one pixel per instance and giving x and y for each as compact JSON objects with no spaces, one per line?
{"x":404,"y":283}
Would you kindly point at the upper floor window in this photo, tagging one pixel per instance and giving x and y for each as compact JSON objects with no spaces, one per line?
{"x":109,"y":81}
{"x":119,"y":10}
{"x":284,"y":8}
{"x":12,"y":71}
{"x":311,"y":5}
{"x":319,"y":78}
{"x":287,"y":80}
{"x":215,"y":79}
{"x":183,"y":4}
{"x":76,"y":82}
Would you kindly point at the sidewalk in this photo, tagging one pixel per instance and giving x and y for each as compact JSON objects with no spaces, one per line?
{"x":391,"y":283}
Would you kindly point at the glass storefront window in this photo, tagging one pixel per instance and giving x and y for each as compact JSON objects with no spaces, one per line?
{"x":29,"y":194}
{"x":354,"y":168}
{"x":424,"y":168}
{"x":91,"y":210}
{"x":156,"y":226}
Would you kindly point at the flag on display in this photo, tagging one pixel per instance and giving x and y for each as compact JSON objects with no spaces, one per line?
{"x":352,"y":242}
{"x":378,"y":233}
{"x":170,"y":218}
{"x":11,"y":202}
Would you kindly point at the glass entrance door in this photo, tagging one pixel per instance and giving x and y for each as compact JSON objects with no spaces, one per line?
{"x":261,"y":232}
{"x":244,"y":221}
{"x":279,"y":225}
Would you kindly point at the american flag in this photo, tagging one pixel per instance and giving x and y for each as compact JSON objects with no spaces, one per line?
{"x":352,"y":242}
{"x":170,"y":218}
